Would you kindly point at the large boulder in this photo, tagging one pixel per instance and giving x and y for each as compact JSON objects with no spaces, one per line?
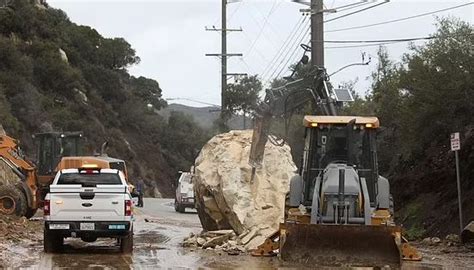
{"x":228,"y":197}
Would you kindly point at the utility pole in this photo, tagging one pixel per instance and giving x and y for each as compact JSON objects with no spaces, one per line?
{"x":224,"y":55}
{"x":317,"y":33}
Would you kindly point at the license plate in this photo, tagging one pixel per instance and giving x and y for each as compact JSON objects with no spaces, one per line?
{"x":59,"y":226}
{"x":116,"y":227}
{"x":87,"y":226}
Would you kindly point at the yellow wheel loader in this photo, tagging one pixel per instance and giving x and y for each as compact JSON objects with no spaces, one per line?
{"x":23,"y":185}
{"x":339,"y":210}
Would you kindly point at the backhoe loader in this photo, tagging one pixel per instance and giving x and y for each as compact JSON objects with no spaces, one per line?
{"x":338,"y":210}
{"x":23,"y":191}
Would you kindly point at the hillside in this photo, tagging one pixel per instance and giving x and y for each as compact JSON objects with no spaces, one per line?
{"x":203,"y":116}
{"x":57,"y":75}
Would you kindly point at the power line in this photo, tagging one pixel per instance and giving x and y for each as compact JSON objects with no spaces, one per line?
{"x":260,"y":54}
{"x":283,"y":51}
{"x":278,"y":3}
{"x":357,"y":11}
{"x":292,"y":56}
{"x":285,"y":44}
{"x":400,"y":19}
{"x":193,"y":100}
{"x":265,"y":22}
{"x":383,"y":40}
{"x":361,"y":46}
{"x":293,"y":50}
{"x":352,"y":6}
{"x":235,"y":11}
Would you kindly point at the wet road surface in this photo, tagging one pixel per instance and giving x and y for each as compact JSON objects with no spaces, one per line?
{"x":159,"y":231}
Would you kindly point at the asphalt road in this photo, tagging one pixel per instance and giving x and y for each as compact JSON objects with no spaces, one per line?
{"x":159,"y":232}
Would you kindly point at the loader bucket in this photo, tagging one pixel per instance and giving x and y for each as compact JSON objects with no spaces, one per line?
{"x":340,"y":245}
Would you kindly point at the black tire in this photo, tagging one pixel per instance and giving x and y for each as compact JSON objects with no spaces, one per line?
{"x":176,"y":206}
{"x":179,"y":208}
{"x":30,"y":212}
{"x":22,"y":205}
{"x":126,"y":243}
{"x":52,"y":242}
{"x":12,"y":201}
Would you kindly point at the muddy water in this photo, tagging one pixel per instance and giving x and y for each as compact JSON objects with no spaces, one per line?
{"x":159,"y":230}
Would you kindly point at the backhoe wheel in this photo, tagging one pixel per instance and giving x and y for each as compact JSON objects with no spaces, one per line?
{"x":12,"y":201}
{"x":30,"y":212}
{"x":22,"y":205}
{"x":126,"y":243}
{"x":52,"y":242}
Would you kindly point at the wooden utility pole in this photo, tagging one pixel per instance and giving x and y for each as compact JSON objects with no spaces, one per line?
{"x":317,"y":33}
{"x":224,"y":55}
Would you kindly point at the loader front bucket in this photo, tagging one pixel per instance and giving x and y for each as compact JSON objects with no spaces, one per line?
{"x":340,"y":245}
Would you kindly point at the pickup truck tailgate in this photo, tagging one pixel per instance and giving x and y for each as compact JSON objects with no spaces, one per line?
{"x":100,"y":203}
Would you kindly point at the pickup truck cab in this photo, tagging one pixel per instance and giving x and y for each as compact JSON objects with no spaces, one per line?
{"x":88,"y":203}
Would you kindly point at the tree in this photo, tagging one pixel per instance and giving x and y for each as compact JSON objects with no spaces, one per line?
{"x":437,"y":83}
{"x":116,"y":53}
{"x":149,"y":91}
{"x":242,"y":96}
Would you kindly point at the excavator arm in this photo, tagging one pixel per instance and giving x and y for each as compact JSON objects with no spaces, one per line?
{"x":282,"y":101}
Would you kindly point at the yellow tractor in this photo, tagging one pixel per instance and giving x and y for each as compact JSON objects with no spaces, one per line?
{"x":25,"y":184}
{"x":339,"y":210}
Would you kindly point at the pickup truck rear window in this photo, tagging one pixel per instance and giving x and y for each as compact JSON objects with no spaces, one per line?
{"x":89,"y":180}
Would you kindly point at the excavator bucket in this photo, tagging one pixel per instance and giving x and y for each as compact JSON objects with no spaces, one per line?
{"x":341,"y":245}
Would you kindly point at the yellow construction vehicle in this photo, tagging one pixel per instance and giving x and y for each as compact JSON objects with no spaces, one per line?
{"x":23,"y":195}
{"x":339,"y":209}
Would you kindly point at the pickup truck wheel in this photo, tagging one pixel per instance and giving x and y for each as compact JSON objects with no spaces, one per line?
{"x":52,"y":242}
{"x":126,"y":243}
{"x":178,"y":207}
{"x":12,"y":201}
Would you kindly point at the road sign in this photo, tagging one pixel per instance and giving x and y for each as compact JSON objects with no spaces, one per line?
{"x":455,"y":142}
{"x":456,"y":146}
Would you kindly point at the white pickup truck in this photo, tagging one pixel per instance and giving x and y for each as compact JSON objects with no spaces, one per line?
{"x":88,"y":203}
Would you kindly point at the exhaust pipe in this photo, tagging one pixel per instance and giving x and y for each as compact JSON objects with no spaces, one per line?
{"x":340,"y":197}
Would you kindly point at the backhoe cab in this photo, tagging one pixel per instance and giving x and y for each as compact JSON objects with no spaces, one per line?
{"x":339,"y":175}
{"x":339,"y":210}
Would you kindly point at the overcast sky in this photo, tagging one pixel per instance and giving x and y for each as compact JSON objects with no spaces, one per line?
{"x":170,"y":37}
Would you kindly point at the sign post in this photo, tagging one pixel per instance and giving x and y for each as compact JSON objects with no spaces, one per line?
{"x":456,"y":146}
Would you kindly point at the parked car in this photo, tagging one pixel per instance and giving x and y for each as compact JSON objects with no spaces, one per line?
{"x":88,"y":203}
{"x":184,"y":197}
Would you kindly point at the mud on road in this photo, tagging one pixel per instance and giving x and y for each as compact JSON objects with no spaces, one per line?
{"x":159,"y":232}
